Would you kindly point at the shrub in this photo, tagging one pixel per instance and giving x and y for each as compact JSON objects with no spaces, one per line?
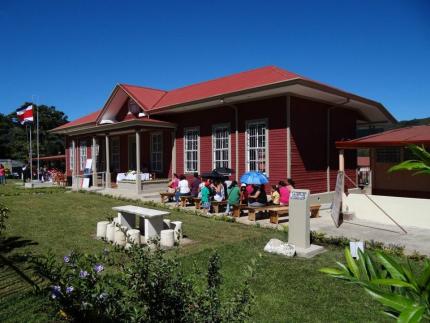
{"x":138,"y":285}
{"x":404,"y":294}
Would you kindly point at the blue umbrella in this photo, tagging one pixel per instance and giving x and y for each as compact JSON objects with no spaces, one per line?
{"x":254,"y":178}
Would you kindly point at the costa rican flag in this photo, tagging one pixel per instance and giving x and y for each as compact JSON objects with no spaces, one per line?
{"x":25,"y":114}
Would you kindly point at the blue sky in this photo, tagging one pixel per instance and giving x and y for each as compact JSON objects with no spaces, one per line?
{"x":71,"y":53}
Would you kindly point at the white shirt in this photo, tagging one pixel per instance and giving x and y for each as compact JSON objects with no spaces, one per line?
{"x":183,"y":187}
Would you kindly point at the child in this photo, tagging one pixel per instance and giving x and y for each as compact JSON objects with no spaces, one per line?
{"x":206,"y":204}
{"x":275,"y":195}
{"x":233,"y":196}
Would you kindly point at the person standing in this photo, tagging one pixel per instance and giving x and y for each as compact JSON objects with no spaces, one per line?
{"x":195,"y":185}
{"x":2,"y":174}
{"x":205,"y":195}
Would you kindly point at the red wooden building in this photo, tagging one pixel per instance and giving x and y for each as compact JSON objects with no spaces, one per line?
{"x":266,"y":119}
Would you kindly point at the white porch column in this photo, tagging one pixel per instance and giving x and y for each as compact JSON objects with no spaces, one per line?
{"x":173,"y":152}
{"x":138,"y":179}
{"x":107,"y":177}
{"x":73,"y":152}
{"x":341,"y":160}
{"x":288,"y":137}
{"x":94,"y":158}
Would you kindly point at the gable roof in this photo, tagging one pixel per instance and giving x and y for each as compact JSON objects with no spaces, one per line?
{"x":396,"y":137}
{"x":88,"y":119}
{"x":267,"y":78}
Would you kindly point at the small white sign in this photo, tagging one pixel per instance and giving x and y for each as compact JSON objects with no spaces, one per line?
{"x":297,"y":195}
{"x":89,"y":163}
{"x":354,"y":246}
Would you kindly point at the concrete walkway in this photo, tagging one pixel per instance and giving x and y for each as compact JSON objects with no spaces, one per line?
{"x":416,"y":239}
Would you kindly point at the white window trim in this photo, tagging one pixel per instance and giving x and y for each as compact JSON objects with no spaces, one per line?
{"x":153,"y":134}
{"x":82,"y":147}
{"x":185,"y":151}
{"x":247,"y":124}
{"x":221,"y":125}
{"x":71,"y":157}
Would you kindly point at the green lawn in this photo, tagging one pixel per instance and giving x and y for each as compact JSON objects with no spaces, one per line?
{"x":286,"y":290}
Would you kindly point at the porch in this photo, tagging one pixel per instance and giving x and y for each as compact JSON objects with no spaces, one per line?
{"x":133,"y":156}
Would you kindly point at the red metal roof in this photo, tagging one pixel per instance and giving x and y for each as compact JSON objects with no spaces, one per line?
{"x":228,"y":84}
{"x":89,"y":118}
{"x":396,"y":137}
{"x":146,"y":97}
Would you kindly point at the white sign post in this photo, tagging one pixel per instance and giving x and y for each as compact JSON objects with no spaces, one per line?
{"x":299,"y":225}
{"x":336,"y":206}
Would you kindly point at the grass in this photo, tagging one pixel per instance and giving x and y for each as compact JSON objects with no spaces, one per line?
{"x":286,"y":290}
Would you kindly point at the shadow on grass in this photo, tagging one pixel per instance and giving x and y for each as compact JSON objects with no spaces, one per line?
{"x":12,"y":264}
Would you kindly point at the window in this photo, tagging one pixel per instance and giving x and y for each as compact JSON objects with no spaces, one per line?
{"x":191,"y":146}
{"x":256,"y":146}
{"x":221,"y":146}
{"x":114,"y":154}
{"x":157,"y":152}
{"x":132,"y":152}
{"x":71,"y":157}
{"x":82,"y":155}
{"x":388,"y":155}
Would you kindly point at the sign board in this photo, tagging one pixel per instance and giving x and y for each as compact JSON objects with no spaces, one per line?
{"x":88,"y":163}
{"x":296,"y":195}
{"x":336,"y":206}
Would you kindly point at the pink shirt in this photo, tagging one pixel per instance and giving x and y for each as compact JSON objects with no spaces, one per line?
{"x":285,"y":195}
{"x":175,"y":183}
{"x":2,"y":171}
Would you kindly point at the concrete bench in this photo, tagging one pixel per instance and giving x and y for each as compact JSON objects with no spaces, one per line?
{"x":153,"y":219}
{"x":166,"y":196}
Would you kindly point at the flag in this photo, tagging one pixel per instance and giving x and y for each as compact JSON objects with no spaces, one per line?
{"x":25,"y":114}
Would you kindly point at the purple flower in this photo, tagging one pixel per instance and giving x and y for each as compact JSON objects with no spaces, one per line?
{"x":69,"y":289}
{"x":66,"y":259}
{"x":98,"y":268}
{"x":56,"y":290}
{"x":83,"y":273}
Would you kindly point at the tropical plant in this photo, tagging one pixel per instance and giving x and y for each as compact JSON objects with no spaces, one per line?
{"x":138,"y":285}
{"x":421,"y":165}
{"x":404,"y":294}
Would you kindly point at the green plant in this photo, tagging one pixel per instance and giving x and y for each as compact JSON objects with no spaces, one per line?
{"x":138,"y":285}
{"x":421,"y":165}
{"x":4,"y":215}
{"x":405,"y":294}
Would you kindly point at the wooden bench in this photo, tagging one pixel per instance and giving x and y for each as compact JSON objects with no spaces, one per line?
{"x":185,"y":199}
{"x":166,"y":196}
{"x":215,"y":205}
{"x":237,"y":209}
{"x":197,"y":202}
{"x":282,"y":210}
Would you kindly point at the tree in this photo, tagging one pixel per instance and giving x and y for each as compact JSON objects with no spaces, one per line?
{"x":421,"y":165}
{"x":13,"y":135}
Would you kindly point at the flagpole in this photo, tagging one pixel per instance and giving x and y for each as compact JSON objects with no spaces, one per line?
{"x":37,"y":135}
{"x":31,"y":158}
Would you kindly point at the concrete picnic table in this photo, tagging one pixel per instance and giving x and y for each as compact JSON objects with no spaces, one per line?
{"x":153,"y":219}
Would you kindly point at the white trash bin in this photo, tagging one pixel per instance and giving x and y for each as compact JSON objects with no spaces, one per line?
{"x":120,"y":236}
{"x":110,"y":232}
{"x":177,"y":227}
{"x":167,"y":238}
{"x":101,"y":229}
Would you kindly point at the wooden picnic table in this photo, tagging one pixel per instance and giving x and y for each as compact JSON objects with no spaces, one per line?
{"x":166,"y":196}
{"x":274,"y":211}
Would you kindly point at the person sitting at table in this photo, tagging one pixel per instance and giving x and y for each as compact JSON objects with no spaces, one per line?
{"x":258,"y":196}
{"x":233,"y":196}
{"x":219,"y":191}
{"x":173,"y":184}
{"x":275,"y":196}
{"x":183,"y":189}
{"x":284,"y":193}
{"x":205,"y":196}
{"x":195,"y":185}
{"x":243,"y":194}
